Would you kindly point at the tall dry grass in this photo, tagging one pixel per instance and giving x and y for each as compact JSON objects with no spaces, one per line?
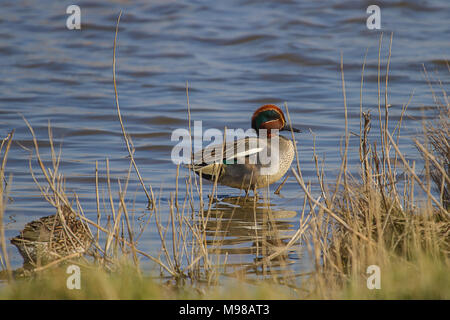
{"x":375,"y":219}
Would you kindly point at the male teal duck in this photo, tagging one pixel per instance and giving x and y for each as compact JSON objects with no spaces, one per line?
{"x":241,"y":165}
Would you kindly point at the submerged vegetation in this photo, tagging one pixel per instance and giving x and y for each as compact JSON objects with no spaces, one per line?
{"x":377,"y":218}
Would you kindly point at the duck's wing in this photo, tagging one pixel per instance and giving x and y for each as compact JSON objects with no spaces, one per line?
{"x":243,"y":148}
{"x":213,"y":155}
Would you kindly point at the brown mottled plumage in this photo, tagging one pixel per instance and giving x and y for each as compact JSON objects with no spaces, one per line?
{"x":51,"y":238}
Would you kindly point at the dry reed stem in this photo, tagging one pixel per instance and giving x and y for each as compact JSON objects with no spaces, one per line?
{"x":331,"y":213}
{"x":379,"y":98}
{"x":3,"y":196}
{"x":125,"y":137}
{"x":56,"y":262}
{"x":433,"y":159}
{"x":361,"y":103}
{"x":123,"y":240}
{"x":419,"y":181}
{"x":97,"y":199}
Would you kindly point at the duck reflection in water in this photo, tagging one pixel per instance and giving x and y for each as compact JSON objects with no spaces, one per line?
{"x":248,"y":229}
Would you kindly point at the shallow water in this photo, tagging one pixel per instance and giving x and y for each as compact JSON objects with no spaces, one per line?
{"x":235,"y":56}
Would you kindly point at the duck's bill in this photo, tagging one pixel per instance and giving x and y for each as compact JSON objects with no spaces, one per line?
{"x":289,"y":128}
